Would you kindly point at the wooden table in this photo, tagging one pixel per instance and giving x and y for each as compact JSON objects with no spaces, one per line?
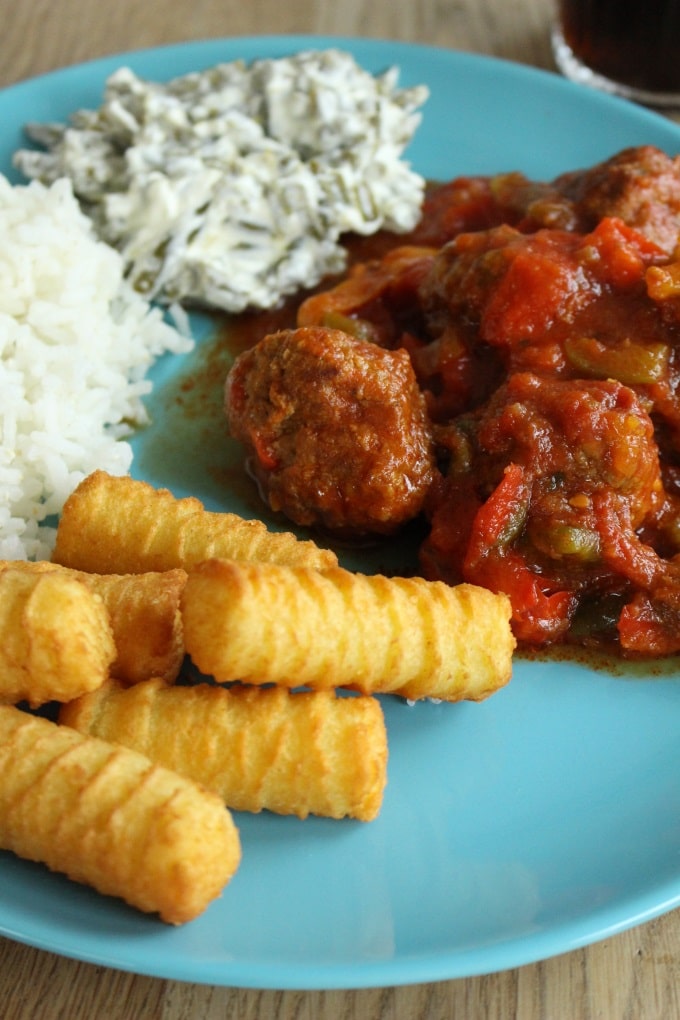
{"x":635,"y":975}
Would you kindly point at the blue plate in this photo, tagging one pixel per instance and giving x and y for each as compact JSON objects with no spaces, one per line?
{"x":538,"y":821}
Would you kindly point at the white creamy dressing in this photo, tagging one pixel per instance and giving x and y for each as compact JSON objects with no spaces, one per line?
{"x":231,"y":187}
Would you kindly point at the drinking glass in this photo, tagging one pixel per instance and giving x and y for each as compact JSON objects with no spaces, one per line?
{"x":628,"y":47}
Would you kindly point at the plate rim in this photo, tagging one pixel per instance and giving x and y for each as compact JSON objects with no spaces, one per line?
{"x":392,"y":971}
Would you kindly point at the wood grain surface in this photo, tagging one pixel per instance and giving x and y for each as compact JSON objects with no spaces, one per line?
{"x":632,"y":976}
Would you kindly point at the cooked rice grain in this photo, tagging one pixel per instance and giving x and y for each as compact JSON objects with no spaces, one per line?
{"x":75,"y":344}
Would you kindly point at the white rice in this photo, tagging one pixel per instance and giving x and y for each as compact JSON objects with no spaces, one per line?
{"x":75,"y":343}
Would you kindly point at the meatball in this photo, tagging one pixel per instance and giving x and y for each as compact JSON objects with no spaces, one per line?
{"x":335,"y":430}
{"x":510,"y":286}
{"x":639,"y":185}
{"x":555,"y":303}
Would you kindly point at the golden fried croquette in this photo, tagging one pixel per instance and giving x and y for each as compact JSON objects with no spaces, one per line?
{"x":56,"y":640}
{"x":262,"y":623}
{"x":257,"y":747}
{"x":144,"y":613}
{"x":117,"y":525}
{"x":108,"y":817}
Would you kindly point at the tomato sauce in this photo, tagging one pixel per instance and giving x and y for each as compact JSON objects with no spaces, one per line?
{"x":546,"y":344}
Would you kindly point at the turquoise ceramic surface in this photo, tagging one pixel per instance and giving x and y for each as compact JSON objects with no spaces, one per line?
{"x":538,"y":821}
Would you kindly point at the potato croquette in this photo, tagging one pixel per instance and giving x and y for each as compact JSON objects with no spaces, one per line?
{"x":118,"y":525}
{"x":56,"y":640}
{"x":294,"y":753}
{"x":262,"y":623}
{"x":108,"y":817}
{"x":144,"y":613}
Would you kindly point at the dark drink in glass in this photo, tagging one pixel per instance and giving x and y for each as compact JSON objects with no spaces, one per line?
{"x":629,"y":47}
